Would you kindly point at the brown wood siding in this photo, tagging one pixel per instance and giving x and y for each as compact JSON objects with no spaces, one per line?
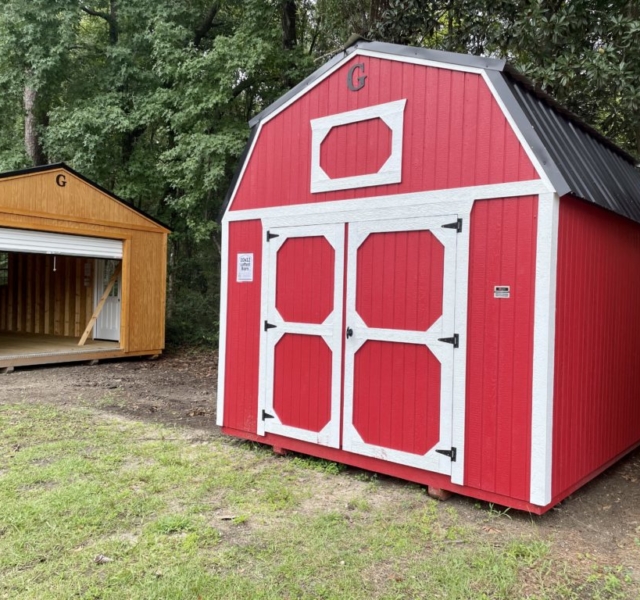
{"x":39,"y":299}
{"x":37,"y":194}
{"x":34,"y":201}
{"x":146,"y":291}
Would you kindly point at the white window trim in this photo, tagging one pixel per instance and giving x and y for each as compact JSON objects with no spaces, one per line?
{"x":392,"y":114}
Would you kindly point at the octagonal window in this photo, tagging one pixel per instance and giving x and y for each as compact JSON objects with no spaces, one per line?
{"x":359,"y":148}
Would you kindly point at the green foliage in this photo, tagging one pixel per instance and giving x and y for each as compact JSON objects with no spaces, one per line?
{"x":583,"y":52}
{"x":150,"y":98}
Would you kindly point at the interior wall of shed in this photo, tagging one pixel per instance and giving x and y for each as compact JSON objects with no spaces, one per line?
{"x":51,"y":295}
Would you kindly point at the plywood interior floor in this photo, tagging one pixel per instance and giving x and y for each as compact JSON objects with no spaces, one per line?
{"x":33,"y":344}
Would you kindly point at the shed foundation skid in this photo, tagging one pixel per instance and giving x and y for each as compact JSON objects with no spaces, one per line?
{"x":407,"y":280}
{"x":82,"y":274}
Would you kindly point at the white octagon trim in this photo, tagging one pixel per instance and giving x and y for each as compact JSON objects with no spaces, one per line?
{"x":392,"y":114}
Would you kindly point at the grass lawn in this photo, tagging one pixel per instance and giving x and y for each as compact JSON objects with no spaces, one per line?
{"x":97,"y":506}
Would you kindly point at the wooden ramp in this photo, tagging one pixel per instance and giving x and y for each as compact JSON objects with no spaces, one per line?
{"x":21,"y":349}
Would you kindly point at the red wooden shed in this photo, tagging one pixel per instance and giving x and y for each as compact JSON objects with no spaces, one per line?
{"x":431,"y":270}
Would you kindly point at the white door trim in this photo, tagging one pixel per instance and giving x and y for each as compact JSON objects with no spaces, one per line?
{"x":396,"y":210}
{"x":330,"y":331}
{"x":368,"y":207}
{"x":444,"y":326}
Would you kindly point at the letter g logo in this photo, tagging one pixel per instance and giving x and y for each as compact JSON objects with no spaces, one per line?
{"x":360,"y":81}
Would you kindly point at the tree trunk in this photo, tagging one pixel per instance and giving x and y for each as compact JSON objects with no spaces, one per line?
{"x":32,"y":142}
{"x":289,"y":17}
{"x":113,"y":22}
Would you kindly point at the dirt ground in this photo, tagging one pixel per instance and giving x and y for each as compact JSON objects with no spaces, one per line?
{"x":598,"y":525}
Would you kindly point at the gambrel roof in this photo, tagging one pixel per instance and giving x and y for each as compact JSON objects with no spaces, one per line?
{"x":573,"y":156}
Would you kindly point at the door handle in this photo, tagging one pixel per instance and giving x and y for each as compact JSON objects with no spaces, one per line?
{"x":349,"y":332}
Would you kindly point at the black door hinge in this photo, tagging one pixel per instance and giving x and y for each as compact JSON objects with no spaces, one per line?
{"x":457,"y":225}
{"x":349,"y":332}
{"x":268,"y":326}
{"x":270,"y":236}
{"x":266,"y":415}
{"x":455,"y":340}
{"x":450,"y":453}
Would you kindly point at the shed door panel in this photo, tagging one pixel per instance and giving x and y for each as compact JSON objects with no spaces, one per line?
{"x":303,"y":330}
{"x":398,"y":372}
{"x":108,"y":322}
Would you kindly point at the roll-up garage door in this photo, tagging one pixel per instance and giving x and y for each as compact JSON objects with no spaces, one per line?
{"x":43,"y":242}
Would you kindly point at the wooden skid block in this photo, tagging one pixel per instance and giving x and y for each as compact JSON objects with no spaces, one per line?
{"x":279,"y":451}
{"x":439,"y":493}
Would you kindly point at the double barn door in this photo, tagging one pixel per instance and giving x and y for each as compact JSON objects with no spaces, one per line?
{"x":359,"y":337}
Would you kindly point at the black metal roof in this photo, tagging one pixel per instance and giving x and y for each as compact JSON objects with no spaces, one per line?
{"x":593,"y":168}
{"x":61,"y":165}
{"x":576,"y":158}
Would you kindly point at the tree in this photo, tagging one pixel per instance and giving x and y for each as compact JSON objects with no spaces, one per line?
{"x":583,"y":52}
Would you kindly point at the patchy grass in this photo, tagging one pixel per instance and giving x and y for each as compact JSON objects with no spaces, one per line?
{"x":94,"y":507}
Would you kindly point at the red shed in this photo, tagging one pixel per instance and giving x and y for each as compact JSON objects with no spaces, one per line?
{"x":431,"y":270}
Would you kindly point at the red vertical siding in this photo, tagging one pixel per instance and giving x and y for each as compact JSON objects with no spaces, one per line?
{"x":302,"y":381}
{"x":455,"y":134}
{"x":500,"y":346}
{"x":597,"y":359}
{"x":243,"y":330}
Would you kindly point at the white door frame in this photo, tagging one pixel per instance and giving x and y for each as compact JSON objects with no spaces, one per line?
{"x":443,"y":327}
{"x":98,"y":290}
{"x":330,"y":331}
{"x":403,"y":206}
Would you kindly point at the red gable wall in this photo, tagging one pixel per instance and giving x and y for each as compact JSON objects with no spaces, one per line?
{"x":455,"y":135}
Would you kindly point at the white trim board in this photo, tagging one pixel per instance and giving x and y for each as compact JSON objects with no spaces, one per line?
{"x":222,"y":334}
{"x":523,"y":142}
{"x":544,"y":350}
{"x":468,"y":194}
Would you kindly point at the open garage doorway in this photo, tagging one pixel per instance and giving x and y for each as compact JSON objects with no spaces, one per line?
{"x":59,"y":294}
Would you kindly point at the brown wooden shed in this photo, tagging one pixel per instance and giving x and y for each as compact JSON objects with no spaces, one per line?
{"x":82,"y":272}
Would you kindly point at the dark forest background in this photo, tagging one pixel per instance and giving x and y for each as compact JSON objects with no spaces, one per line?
{"x":150,"y":98}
